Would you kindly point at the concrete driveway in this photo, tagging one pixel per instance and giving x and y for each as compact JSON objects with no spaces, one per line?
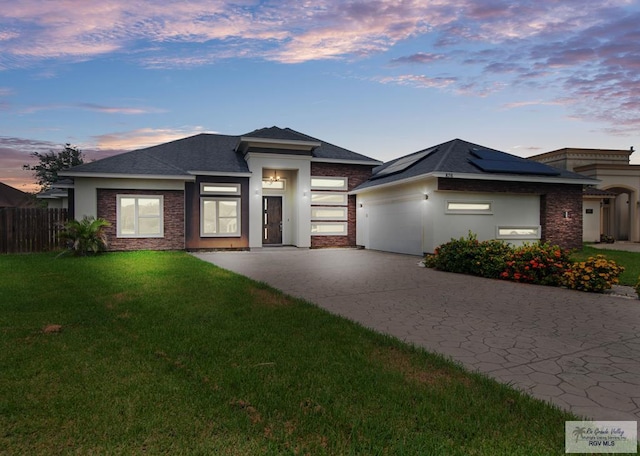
{"x":581,"y":351}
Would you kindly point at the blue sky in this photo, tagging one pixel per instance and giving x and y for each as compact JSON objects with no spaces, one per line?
{"x":383,"y":78}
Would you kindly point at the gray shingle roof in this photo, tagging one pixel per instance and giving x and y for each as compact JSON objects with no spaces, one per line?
{"x":204,"y":153}
{"x":12,"y":197}
{"x":325,"y":151}
{"x":455,"y":157}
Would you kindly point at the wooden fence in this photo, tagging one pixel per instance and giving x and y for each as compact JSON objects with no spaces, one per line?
{"x":28,"y":230}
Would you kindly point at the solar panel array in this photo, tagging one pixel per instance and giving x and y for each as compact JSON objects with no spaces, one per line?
{"x":493,"y":161}
{"x":403,"y":163}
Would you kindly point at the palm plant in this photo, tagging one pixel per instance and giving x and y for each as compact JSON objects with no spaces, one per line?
{"x":86,"y":236}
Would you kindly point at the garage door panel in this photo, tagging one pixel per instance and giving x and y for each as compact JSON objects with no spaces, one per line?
{"x":396,"y":227}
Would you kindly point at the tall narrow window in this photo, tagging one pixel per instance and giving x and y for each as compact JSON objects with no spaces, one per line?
{"x":140,"y":216}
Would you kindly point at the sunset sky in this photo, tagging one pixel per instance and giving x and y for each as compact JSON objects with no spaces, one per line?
{"x":382,"y":78}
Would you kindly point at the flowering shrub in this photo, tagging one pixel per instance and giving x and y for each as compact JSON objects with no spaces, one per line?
{"x":596,"y":274}
{"x":539,"y":263}
{"x":470,"y":256}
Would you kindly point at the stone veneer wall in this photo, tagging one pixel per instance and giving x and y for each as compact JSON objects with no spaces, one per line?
{"x":555,"y":200}
{"x":173,"y":220}
{"x":356,"y":175}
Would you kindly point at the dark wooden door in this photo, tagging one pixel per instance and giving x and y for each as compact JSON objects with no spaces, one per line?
{"x":272,"y":219}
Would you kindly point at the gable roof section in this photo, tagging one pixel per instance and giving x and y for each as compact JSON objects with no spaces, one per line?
{"x":12,"y":197}
{"x":324,"y":152}
{"x":464,"y":160}
{"x":202,"y":154}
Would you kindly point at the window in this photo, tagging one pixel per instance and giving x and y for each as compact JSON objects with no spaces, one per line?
{"x":518,"y":232}
{"x":268,"y":184}
{"x":328,"y":213}
{"x":469,"y":207}
{"x":329,"y":183}
{"x":329,"y":228}
{"x":219,"y":217}
{"x":219,"y":189}
{"x":329,"y":198}
{"x":140,"y":216}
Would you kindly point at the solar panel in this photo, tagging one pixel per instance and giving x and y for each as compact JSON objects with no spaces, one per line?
{"x":403,"y":163}
{"x":487,"y":154}
{"x":514,"y":166}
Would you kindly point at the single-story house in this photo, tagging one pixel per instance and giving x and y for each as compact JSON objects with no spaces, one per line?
{"x":57,"y":197}
{"x":277,"y":186}
{"x":272,"y":186}
{"x":613,"y":208}
{"x":422,"y":200}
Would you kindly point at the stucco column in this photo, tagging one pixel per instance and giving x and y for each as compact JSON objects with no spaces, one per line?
{"x":634,"y":234}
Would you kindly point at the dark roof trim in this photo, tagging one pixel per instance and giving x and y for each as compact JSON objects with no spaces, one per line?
{"x":346,"y":162}
{"x":471,"y":176}
{"x":246,"y":142}
{"x":184,"y":177}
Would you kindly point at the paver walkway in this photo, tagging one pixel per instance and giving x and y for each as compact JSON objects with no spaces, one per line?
{"x":581,"y":351}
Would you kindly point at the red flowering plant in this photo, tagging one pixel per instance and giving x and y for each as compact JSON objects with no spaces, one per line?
{"x":539,"y":263}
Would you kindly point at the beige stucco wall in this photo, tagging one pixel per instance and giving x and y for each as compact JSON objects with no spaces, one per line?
{"x":86,"y":195}
{"x":591,"y":229}
{"x":296,"y":203}
{"x":403,"y":220}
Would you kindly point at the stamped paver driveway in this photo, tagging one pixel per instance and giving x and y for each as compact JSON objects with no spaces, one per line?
{"x":580,"y":351}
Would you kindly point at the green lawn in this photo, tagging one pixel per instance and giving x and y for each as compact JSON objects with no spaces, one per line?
{"x":630,"y":261}
{"x":160,"y":353}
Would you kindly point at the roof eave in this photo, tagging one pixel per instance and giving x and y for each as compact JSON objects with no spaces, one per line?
{"x":407,"y":180}
{"x":221,"y":173}
{"x":247,"y":141}
{"x":89,"y":175}
{"x":472,"y":176}
{"x":346,"y":161}
{"x":518,"y":178}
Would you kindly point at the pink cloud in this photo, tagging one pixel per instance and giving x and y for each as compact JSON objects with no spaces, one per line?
{"x":92,"y":107}
{"x":577,"y":48}
{"x":419,"y":81}
{"x":16,"y":152}
{"x":144,"y":137}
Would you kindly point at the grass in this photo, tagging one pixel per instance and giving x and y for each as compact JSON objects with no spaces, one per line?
{"x":630,"y":261}
{"x":160,"y":353}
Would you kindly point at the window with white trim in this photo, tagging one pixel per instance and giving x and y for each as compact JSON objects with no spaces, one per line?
{"x":329,"y":183}
{"x":469,"y":207}
{"x":269,"y":184}
{"x":140,"y":216}
{"x":329,"y":228}
{"x":329,"y":213}
{"x":329,"y":198}
{"x":518,"y":232}
{"x":219,"y":217}
{"x":219,"y":189}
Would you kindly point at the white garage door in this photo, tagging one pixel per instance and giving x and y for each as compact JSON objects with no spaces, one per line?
{"x":396,"y":227}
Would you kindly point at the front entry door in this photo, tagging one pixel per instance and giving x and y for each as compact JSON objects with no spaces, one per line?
{"x":272,"y":220}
